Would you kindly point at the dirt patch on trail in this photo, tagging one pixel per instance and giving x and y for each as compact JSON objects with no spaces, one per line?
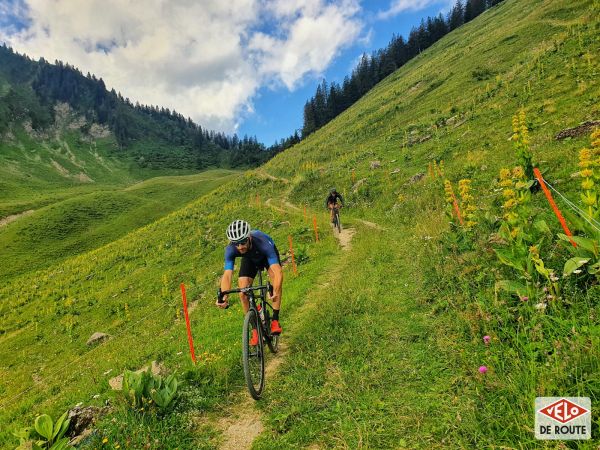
{"x":241,"y":426}
{"x":8,"y":219}
{"x":345,"y":238}
{"x":243,"y":422}
{"x":371,"y":225}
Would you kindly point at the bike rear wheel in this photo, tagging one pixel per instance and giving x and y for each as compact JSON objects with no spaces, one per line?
{"x":253,"y":356}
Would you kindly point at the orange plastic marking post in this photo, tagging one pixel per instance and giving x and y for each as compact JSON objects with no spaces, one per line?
{"x":316,"y":228}
{"x":560,"y":217}
{"x":187,"y":323}
{"x":292,"y":252}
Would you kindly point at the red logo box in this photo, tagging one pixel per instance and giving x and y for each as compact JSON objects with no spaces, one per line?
{"x":563,"y":411}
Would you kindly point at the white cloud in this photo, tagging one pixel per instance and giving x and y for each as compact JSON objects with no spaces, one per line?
{"x":399,"y":6}
{"x":204,"y":59}
{"x":312,"y":40}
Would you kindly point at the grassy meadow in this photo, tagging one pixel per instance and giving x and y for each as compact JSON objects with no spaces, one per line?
{"x":90,"y":220}
{"x":385,"y":340}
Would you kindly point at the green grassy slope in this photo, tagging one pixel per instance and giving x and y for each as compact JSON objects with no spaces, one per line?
{"x":90,"y":220}
{"x":39,"y":169}
{"x":540,"y":56}
{"x":130,"y":289}
{"x":384,"y":341}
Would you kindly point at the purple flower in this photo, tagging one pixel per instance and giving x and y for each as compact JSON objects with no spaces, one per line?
{"x":524,"y":298}
{"x":482,"y":369}
{"x":486,"y":340}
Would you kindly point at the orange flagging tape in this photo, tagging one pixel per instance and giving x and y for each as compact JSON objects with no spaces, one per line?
{"x":561,"y":219}
{"x":187,"y":323}
{"x":456,"y":209}
{"x":292,"y":252}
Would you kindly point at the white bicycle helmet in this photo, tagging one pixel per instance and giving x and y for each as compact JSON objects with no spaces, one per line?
{"x":238,"y":230}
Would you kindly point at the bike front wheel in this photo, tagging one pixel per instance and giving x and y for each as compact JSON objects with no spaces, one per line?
{"x":338,"y":224}
{"x":253,"y":356}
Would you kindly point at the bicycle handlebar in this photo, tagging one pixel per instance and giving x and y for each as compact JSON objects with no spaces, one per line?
{"x":221,"y":294}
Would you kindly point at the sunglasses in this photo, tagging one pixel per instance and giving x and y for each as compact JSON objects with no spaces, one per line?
{"x":242,"y":242}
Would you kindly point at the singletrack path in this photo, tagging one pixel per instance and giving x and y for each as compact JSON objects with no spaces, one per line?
{"x":242,"y":422}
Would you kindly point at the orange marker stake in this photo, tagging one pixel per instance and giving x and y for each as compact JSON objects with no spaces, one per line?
{"x":316,"y":228}
{"x":353,"y":176}
{"x":457,"y":209}
{"x":187,"y":323}
{"x":292,"y":252}
{"x":561,"y":219}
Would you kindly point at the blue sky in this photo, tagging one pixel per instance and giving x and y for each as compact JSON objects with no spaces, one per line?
{"x":279,"y":112}
{"x":243,"y":66}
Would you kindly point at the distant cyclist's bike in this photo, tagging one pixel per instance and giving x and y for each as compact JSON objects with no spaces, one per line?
{"x":336,"y":218}
{"x":257,"y":318}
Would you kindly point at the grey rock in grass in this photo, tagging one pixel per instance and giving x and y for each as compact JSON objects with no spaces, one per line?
{"x":358,"y":184}
{"x":81,"y":418}
{"x":375,"y":164}
{"x":417,"y":177}
{"x":584,"y":128}
{"x":97,"y":337}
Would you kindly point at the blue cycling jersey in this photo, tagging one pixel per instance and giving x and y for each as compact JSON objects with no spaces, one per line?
{"x":262,"y":248}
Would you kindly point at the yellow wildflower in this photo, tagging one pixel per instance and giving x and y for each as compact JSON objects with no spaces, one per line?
{"x":509,"y":193}
{"x":518,"y":172}
{"x":587,"y":184}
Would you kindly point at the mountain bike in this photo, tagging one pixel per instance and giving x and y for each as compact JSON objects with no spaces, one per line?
{"x":336,"y":218}
{"x":257,"y":318}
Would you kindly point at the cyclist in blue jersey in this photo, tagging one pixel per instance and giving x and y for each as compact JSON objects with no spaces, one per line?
{"x":258,"y":252}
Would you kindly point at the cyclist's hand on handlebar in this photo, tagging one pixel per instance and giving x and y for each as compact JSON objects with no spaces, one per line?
{"x":222,"y":302}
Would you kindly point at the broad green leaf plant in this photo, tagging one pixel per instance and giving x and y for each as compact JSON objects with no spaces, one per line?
{"x":142,"y":389}
{"x":522,"y":238}
{"x":45,"y":434}
{"x":586,"y":251}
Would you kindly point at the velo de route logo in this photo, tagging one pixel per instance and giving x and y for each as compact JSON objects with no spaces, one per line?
{"x":564,"y":418}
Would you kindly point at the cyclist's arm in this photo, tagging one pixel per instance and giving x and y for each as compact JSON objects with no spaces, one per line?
{"x":226,"y":280}
{"x":227,"y":271}
{"x":225,"y":286}
{"x":276,"y":274}
{"x":341,"y":199}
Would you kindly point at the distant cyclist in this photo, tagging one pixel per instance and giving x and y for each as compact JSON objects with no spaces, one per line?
{"x":332,"y":201}
{"x":258,"y":252}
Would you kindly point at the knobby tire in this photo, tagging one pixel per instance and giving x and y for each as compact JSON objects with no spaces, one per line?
{"x":253,"y":356}
{"x":337,"y":223}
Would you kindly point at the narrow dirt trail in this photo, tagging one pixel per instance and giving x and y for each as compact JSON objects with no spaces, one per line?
{"x":8,"y":219}
{"x":242,"y":422}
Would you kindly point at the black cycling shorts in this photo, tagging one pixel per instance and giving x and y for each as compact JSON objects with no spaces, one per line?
{"x":251,"y":265}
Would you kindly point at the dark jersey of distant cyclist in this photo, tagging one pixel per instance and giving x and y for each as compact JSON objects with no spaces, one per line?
{"x":332,"y":199}
{"x":262,"y":255}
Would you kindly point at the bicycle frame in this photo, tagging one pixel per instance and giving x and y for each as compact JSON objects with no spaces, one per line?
{"x":252,"y":304}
